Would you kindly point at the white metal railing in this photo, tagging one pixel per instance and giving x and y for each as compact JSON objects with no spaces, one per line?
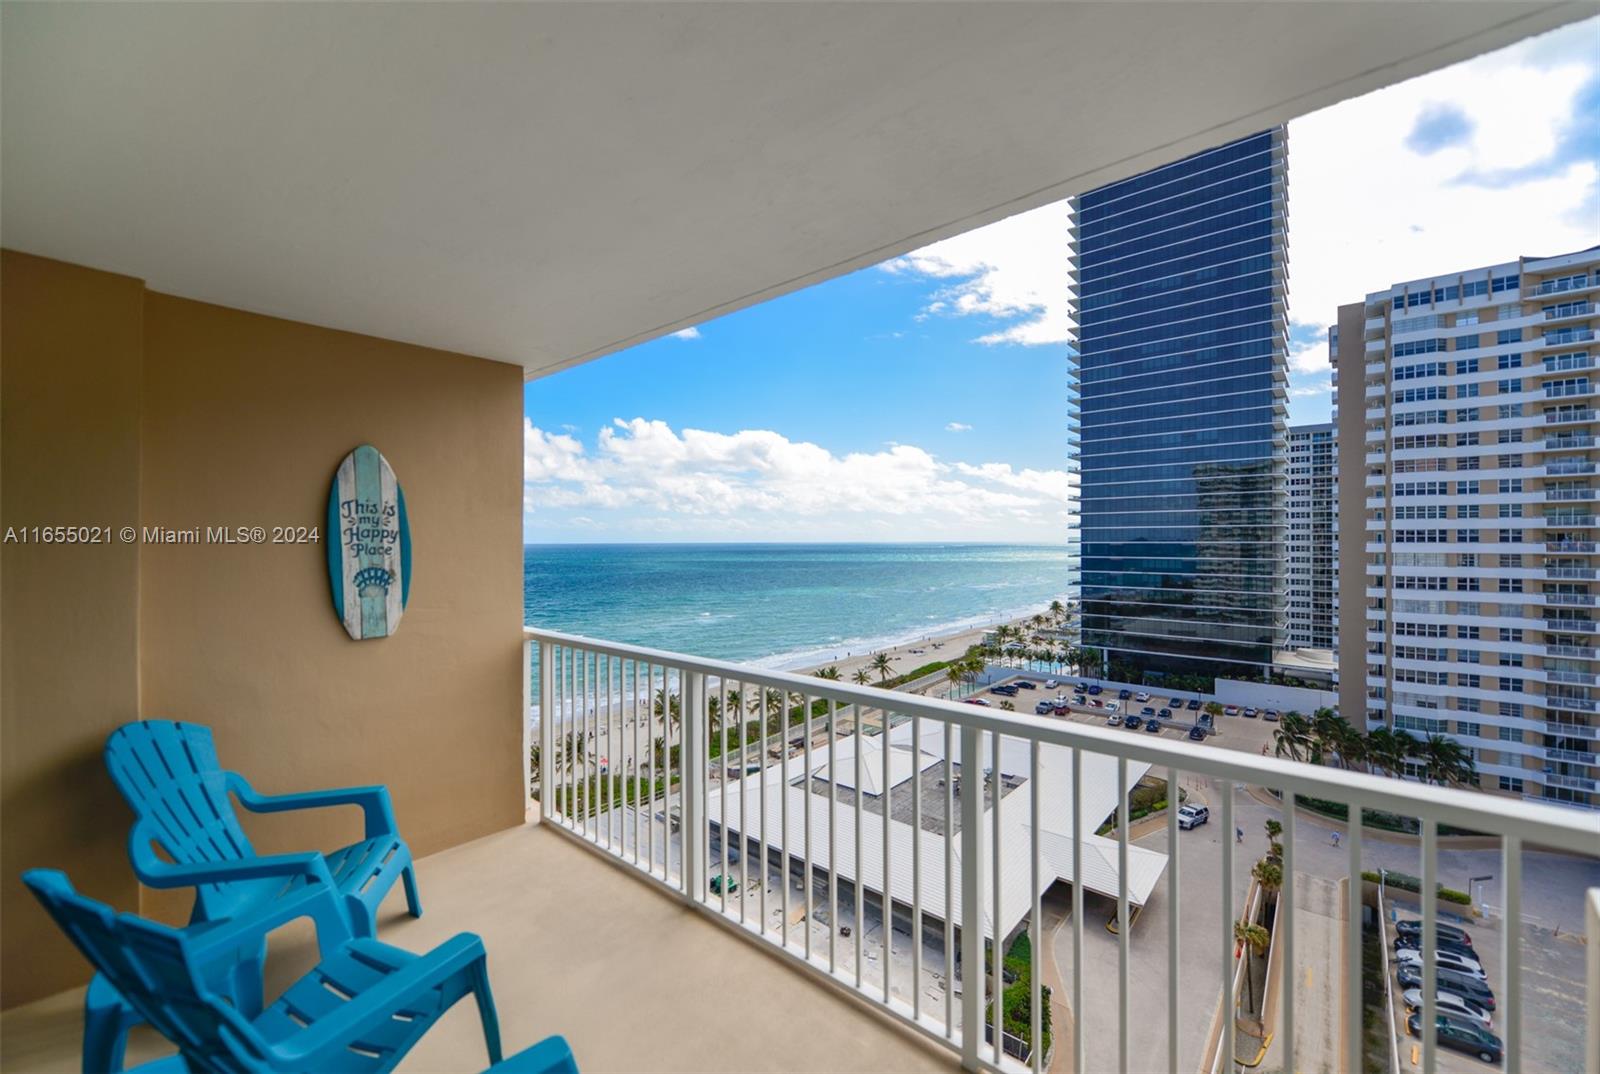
{"x":766,"y":800}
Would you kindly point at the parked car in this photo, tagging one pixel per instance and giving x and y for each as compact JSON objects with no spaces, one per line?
{"x":1094,"y":690}
{"x":1271,"y":715}
{"x":1051,"y":684}
{"x":1147,"y":711}
{"x":1078,"y":699}
{"x":1094,"y":702}
{"x":1462,"y":1036}
{"x":1165,"y":714}
{"x":1133,"y":723}
{"x":978,"y":701}
{"x":1044,"y":708}
{"x":1176,"y":703}
{"x":1412,"y":926}
{"x":1251,"y":714}
{"x":1464,"y":985}
{"x":1192,"y":816}
{"x":1449,"y":1003}
{"x":1083,"y":687}
{"x":1061,"y":710}
{"x":1152,"y":725}
{"x":1142,"y":696}
{"x":1113,"y":706}
{"x":1197,"y":734}
{"x":1411,"y":941}
{"x":1207,"y":722}
{"x":1193,"y":705}
{"x":1113,"y":720}
{"x":1024,"y":684}
{"x":1446,"y":960}
{"x":1004,"y":691}
{"x":1231,"y":710}
{"x":1123,"y":695}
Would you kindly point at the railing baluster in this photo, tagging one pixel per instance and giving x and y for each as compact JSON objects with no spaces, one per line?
{"x":547,"y":740}
{"x":858,"y":934}
{"x":885,"y":897}
{"x":744,"y":797}
{"x":1511,"y":953}
{"x":1079,"y":1045}
{"x":972,"y":983}
{"x":1352,"y":947}
{"x":603,"y":781}
{"x":1173,"y":800}
{"x":766,"y":859}
{"x":650,"y":758}
{"x":916,"y":867}
{"x":949,"y":882}
{"x":809,"y":881}
{"x":1284,"y":927}
{"x":1123,"y":927}
{"x":996,"y":954}
{"x":1429,"y":946}
{"x":637,"y":768}
{"x":786,"y":840}
{"x":833,"y":835}
{"x":1225,"y":792}
{"x":1035,"y":913}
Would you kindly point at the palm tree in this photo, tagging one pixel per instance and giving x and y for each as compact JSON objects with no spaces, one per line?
{"x":1446,"y":762}
{"x":861,"y":676}
{"x":1350,"y":744}
{"x":1058,"y":611}
{"x":957,"y":674}
{"x":1292,"y":737}
{"x":1257,"y":939}
{"x":1274,"y":847}
{"x":880,"y":664}
{"x":1269,"y":874}
{"x":714,"y":713}
{"x":1383,"y":752}
{"x":671,"y":705}
{"x":830,"y":672}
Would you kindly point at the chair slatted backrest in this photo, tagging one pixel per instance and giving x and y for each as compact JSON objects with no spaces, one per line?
{"x":170,"y":775}
{"x":148,"y":965}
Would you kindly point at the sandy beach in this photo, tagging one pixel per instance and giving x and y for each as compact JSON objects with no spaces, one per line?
{"x":911,"y":655}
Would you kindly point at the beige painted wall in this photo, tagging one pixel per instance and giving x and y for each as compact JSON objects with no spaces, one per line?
{"x":1351,"y":362}
{"x":69,"y":453}
{"x":195,"y":415}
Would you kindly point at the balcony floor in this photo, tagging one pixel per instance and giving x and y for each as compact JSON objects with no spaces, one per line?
{"x":633,"y":979}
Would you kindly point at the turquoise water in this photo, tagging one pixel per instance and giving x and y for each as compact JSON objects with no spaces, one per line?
{"x":783,"y":605}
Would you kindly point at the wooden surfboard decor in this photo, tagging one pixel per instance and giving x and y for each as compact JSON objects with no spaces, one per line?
{"x":369,"y":545}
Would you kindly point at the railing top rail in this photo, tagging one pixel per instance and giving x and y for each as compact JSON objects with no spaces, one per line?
{"x":1508,"y":816}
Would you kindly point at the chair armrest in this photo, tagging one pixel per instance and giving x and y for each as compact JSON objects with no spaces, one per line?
{"x":377,"y":1005}
{"x":374,"y":802}
{"x":155,"y":873}
{"x":315,"y":900}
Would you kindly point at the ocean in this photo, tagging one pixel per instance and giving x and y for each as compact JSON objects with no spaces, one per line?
{"x":784,"y":606}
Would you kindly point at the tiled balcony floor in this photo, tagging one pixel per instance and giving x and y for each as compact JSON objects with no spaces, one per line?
{"x":634,"y":980}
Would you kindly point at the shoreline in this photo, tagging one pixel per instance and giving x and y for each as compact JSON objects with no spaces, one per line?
{"x":909,"y":654}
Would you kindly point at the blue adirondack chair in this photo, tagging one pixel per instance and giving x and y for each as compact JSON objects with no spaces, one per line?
{"x":361,"y":1009}
{"x":170,"y":775}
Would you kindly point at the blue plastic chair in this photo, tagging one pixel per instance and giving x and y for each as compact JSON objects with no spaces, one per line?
{"x":170,"y":775}
{"x":360,"y":1010}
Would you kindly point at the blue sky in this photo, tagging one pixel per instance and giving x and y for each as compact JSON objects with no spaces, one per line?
{"x":924,"y":399}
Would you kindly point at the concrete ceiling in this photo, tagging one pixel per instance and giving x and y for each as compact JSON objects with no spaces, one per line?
{"x":546,"y":183}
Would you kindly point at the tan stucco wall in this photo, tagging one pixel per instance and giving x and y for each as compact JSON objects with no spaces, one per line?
{"x":69,"y":673}
{"x":226,"y":418}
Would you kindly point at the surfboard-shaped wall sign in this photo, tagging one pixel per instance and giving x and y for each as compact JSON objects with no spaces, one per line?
{"x":369,"y":545}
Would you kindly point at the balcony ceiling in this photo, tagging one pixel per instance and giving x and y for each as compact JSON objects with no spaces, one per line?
{"x":544,"y":184}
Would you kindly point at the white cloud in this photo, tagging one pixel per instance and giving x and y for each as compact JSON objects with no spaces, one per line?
{"x":957,"y":427}
{"x":1309,"y":358}
{"x":758,"y":483}
{"x":687,"y":333}
{"x":1014,"y":270}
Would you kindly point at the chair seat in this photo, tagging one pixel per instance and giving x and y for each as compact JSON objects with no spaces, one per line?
{"x":357,"y":868}
{"x":354,"y":969}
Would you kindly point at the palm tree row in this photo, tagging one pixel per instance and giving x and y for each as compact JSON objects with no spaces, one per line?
{"x":1328,"y":738}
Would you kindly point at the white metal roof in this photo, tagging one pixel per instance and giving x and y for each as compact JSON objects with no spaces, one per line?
{"x":1016,"y":895}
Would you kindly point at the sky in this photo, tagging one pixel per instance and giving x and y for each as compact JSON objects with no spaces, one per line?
{"x":924,"y":399}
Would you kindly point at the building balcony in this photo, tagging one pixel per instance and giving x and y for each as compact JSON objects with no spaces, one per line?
{"x":1571,"y":756}
{"x":1567,"y":416}
{"x":1569,"y":309}
{"x":1561,"y":286}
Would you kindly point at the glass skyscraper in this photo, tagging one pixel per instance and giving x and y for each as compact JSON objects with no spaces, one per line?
{"x":1182,"y":344}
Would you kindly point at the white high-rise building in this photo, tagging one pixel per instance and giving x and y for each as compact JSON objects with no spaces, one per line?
{"x":1308,"y":553}
{"x":1467,"y":524}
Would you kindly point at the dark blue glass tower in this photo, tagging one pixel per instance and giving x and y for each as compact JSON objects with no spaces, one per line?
{"x":1182,"y":352}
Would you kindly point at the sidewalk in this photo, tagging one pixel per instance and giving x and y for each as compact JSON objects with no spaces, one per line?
{"x":1318,"y":980}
